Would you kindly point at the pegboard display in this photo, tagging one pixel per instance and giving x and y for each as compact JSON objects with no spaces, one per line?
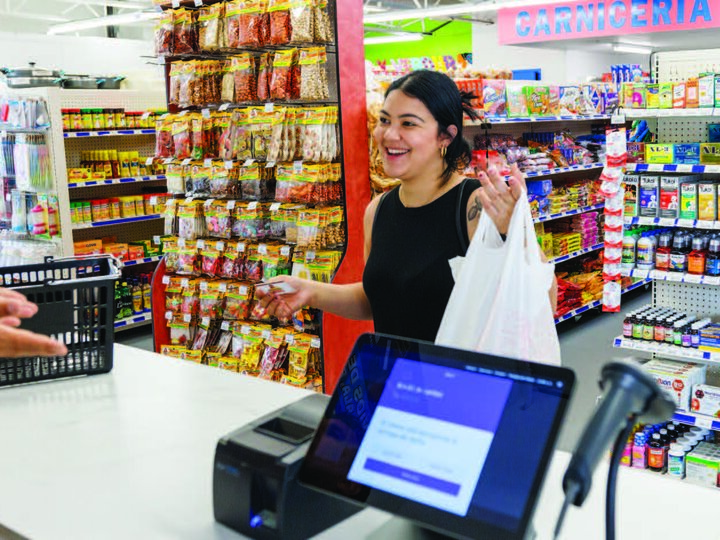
{"x":144,"y":144}
{"x":130,"y":100}
{"x":702,"y":300}
{"x":677,"y":66}
{"x":127,"y":232}
{"x":117,"y":190}
{"x":684,"y":130}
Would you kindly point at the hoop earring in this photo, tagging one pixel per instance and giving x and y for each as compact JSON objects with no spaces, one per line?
{"x":443,"y":151}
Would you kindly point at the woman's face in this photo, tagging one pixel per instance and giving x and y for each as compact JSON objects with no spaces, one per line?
{"x":407,"y":137}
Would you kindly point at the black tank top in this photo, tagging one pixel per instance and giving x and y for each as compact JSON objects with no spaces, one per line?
{"x":407,"y":278}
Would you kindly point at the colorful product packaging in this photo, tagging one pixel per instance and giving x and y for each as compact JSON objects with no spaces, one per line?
{"x":705,"y":400}
{"x":688,"y":200}
{"x":707,"y":201}
{"x":687,"y":154}
{"x":714,"y":133}
{"x":669,"y":196}
{"x":663,"y":154}
{"x":679,"y":99}
{"x":666,"y":95}
{"x":706,"y":90}
{"x":516,"y":101}
{"x":539,"y":187}
{"x":553,"y":100}
{"x":649,"y":185}
{"x":592,"y":98}
{"x":710,"y":153}
{"x":692,"y":94}
{"x":702,"y":465}
{"x":569,"y":100}
{"x":631,"y":185}
{"x":627,"y":95}
{"x":676,"y":379}
{"x":717,"y":90}
{"x":636,"y":152}
{"x":653,"y":96}
{"x":88,"y":247}
{"x":538,"y":100}
{"x":639,"y":96}
{"x":494,"y":97}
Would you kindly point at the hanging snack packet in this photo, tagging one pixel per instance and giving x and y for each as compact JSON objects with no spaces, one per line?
{"x":200,"y":175}
{"x":190,"y":220}
{"x":164,"y":147}
{"x":188,"y":259}
{"x":313,"y":122}
{"x":280,"y":83}
{"x":243,"y":68}
{"x":261,"y":123}
{"x":276,"y":143}
{"x":232,"y":23}
{"x":211,"y":255}
{"x":221,"y":182}
{"x":323,"y":28}
{"x":184,"y":38}
{"x":181,"y":138}
{"x":175,"y":180}
{"x":494,"y":97}
{"x":225,"y":140}
{"x":237,"y":302}
{"x":227,"y":84}
{"x":280,"y":26}
{"x":253,"y":270}
{"x":170,"y":250}
{"x":302,"y":21}
{"x":242,"y":135}
{"x":171,"y":217}
{"x":164,"y":34}
{"x":313,"y":74}
{"x":264,"y":74}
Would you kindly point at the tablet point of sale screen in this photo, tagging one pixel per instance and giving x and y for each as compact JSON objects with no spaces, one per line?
{"x":430,"y":434}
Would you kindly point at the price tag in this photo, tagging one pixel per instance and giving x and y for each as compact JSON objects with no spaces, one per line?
{"x":220,"y":246}
{"x":703,"y":422}
{"x":224,"y":107}
{"x":230,"y":205}
{"x":207,"y":162}
{"x":245,"y":330}
{"x":703,"y":224}
{"x":692,"y":278}
{"x":297,"y":167}
{"x":617,"y":119}
{"x":315,"y":343}
{"x":203,"y":285}
{"x":262,"y":249}
{"x":156,"y":240}
{"x":674,"y":276}
{"x":183,"y":112}
{"x":164,"y":116}
{"x":711,"y":280}
{"x":185,"y":283}
{"x":166,"y":280}
{"x":145,"y":115}
{"x":168,"y":315}
{"x":290,"y":338}
{"x":153,"y":201}
{"x":666,"y":222}
{"x":208,"y":203}
{"x":664,"y":112}
{"x":201,"y":244}
{"x":185,"y":162}
{"x":205,"y":113}
{"x":187,"y":318}
{"x":198,"y":3}
{"x":229,"y":165}
{"x":285,"y":251}
{"x":685,"y":223}
{"x":188,"y":200}
{"x":222,"y":287}
{"x":175,"y":3}
{"x":168,"y":161}
{"x":225,"y":326}
{"x":181,"y":242}
{"x":641,"y":273}
{"x":659,"y":275}
{"x":243,"y":290}
{"x":266,"y":334}
{"x":205,"y":321}
{"x":269,"y":164}
{"x":241,"y":247}
{"x":310,"y":256}
{"x":248,"y":162}
{"x":269,"y":107}
{"x":149,"y":161}
{"x":161,"y":59}
{"x":252,"y":205}
{"x":274,"y":207}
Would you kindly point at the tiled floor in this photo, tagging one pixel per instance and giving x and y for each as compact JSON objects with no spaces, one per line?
{"x":586,"y":346}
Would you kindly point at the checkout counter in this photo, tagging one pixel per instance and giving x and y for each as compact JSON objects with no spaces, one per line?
{"x":130,"y":455}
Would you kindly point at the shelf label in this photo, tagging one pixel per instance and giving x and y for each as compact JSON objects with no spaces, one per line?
{"x":185,"y":283}
{"x":205,"y":321}
{"x":153,"y":201}
{"x":266,"y":334}
{"x":711,"y":280}
{"x":183,"y":112}
{"x":203,"y":285}
{"x":222,"y":287}
{"x":168,"y":161}
{"x":198,"y":3}
{"x":666,"y":222}
{"x":274,"y":207}
{"x":641,"y":273}
{"x":166,"y":280}
{"x":315,"y":343}
{"x":185,"y":162}
{"x":231,"y":205}
{"x":224,"y":107}
{"x":703,"y":422}
{"x":270,"y":165}
{"x":703,"y":224}
{"x":692,"y":278}
{"x":248,"y":162}
{"x":685,"y":222}
{"x":252,"y":205}
{"x":156,"y":240}
{"x":220,"y":246}
{"x":659,"y":274}
{"x":175,"y":3}
{"x":269,"y":107}
{"x":181,"y":242}
{"x":187,"y":318}
{"x":241,"y":247}
{"x":262,"y":249}
{"x":674,"y":276}
{"x":207,"y":162}
{"x":200,"y":244}
{"x":285,"y":251}
{"x":243,"y":290}
{"x":245,"y":330}
{"x":617,"y":119}
{"x":149,"y":161}
{"x":228,"y":165}
{"x":168,"y":315}
{"x":290,"y":338}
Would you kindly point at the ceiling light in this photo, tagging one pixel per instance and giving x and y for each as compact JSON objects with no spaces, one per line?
{"x":392,"y":39}
{"x":449,"y":11}
{"x":635,"y":49}
{"x":99,"y":22}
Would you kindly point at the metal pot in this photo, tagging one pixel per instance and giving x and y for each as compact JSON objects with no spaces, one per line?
{"x":79,"y":82}
{"x":110,"y":83}
{"x":31,"y":77}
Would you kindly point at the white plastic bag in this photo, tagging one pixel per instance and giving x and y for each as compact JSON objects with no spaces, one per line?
{"x":500,"y":303}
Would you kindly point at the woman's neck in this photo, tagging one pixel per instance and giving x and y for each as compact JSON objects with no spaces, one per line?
{"x":421,"y":191}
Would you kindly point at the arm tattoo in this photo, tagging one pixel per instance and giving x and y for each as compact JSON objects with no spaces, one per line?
{"x":474,"y":212}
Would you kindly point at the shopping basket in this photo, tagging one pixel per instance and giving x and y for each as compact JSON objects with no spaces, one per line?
{"x":76,"y":305}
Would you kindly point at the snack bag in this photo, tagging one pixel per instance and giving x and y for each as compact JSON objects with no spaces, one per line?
{"x":516,"y":101}
{"x":494,"y":102}
{"x":538,"y":100}
{"x":569,"y":100}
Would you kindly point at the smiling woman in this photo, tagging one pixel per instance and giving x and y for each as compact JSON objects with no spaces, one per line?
{"x":413,"y":231}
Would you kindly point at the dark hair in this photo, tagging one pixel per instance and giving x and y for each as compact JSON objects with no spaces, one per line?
{"x":446,"y":103}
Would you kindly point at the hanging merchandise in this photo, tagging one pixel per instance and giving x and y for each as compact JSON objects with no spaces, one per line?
{"x":33,"y":169}
{"x":23,"y":113}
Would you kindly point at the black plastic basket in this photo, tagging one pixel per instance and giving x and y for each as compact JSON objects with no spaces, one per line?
{"x":75,"y":297}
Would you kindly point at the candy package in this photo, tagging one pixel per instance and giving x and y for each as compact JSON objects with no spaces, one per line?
{"x":264,"y":75}
{"x":313,"y":74}
{"x":218,"y":218}
{"x":280,"y":82}
{"x":181,"y":138}
{"x":164,"y":147}
{"x":280,"y":25}
{"x":569,"y":100}
{"x":250,"y":24}
{"x":184,"y":34}
{"x":494,"y":97}
{"x":243,"y":69}
{"x":516,"y":100}
{"x":237,"y":302}
{"x":323,"y":29}
{"x":538,"y":100}
{"x":164,"y":34}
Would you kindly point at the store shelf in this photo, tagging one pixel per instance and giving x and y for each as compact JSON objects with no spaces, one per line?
{"x":146,"y":260}
{"x":672,"y":276}
{"x":671,"y":222}
{"x":665,"y":113}
{"x":694,"y":419}
{"x":688,"y":353}
{"x":675,"y":167}
{"x":11,"y":129}
{"x":596,"y":303}
{"x":569,"y":256}
{"x":528,"y":119}
{"x":561,"y":170}
{"x":581,"y":210}
{"x":117,"y":221}
{"x":107,"y":133}
{"x":126,"y":180}
{"x":141,"y":319}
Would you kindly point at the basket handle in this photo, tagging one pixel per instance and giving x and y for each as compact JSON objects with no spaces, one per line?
{"x":115,"y":268}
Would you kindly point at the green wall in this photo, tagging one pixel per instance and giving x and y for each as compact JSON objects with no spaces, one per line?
{"x":453,"y":39}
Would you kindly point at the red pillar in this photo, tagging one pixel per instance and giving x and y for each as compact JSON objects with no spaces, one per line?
{"x":339,"y":334}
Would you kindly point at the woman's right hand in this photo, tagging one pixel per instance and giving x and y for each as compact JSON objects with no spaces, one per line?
{"x":284,"y":305}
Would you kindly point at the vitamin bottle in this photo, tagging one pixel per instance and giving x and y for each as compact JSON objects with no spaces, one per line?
{"x":679,"y":254}
{"x":629,"y":246}
{"x":676,"y":461}
{"x":662,"y":253}
{"x":645,"y":258}
{"x":697,"y":257}
{"x":656,"y":454}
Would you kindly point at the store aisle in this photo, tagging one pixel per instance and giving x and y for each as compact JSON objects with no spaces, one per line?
{"x":137,"y":337}
{"x":586,"y":346}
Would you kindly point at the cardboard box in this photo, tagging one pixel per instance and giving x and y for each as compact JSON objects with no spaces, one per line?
{"x":717,"y":90}
{"x":649,"y":185}
{"x":88,"y":247}
{"x":136,"y":252}
{"x":714,"y":133}
{"x":79,"y":174}
{"x":636,"y":152}
{"x":706,"y":400}
{"x":120,"y":251}
{"x":679,"y":95}
{"x":653,"y":96}
{"x":666,"y":95}
{"x":710,"y":153}
{"x":669,"y":197}
{"x":677,"y":379}
{"x":707,"y":201}
{"x":706,"y":91}
{"x":662,"y":154}
{"x":688,"y":200}
{"x":702,"y":465}
{"x":631,"y":184}
{"x":687,"y":154}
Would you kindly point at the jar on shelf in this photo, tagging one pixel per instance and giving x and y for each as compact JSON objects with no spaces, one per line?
{"x":66,"y":119}
{"x":98,"y":119}
{"x":120,"y":122}
{"x":87,"y":119}
{"x":76,"y":121}
{"x":109,"y":115}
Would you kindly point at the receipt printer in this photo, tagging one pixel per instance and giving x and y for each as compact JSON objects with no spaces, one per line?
{"x":255,"y":490}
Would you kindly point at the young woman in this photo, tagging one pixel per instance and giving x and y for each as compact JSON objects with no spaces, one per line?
{"x":414,"y":230}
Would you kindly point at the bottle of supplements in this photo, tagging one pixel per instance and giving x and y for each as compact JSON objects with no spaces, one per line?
{"x":645,"y":258}
{"x":697,"y":257}
{"x":656,"y":454}
{"x":662,"y":253}
{"x":679,"y":253}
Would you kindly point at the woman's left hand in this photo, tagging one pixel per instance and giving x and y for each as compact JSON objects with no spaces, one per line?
{"x":498,"y":197}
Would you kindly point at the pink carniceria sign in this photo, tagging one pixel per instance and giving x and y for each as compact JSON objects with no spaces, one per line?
{"x":577,"y":19}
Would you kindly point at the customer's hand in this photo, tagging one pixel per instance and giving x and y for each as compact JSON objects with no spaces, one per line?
{"x":498,"y":198}
{"x":284,"y":305}
{"x":15,"y":342}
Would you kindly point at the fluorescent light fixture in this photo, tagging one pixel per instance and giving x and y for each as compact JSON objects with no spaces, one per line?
{"x":634,"y":49}
{"x":98,"y":22}
{"x":451,"y":10}
{"x":392,"y":39}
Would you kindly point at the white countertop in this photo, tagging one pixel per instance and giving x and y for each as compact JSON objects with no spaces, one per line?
{"x":129,"y":455}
